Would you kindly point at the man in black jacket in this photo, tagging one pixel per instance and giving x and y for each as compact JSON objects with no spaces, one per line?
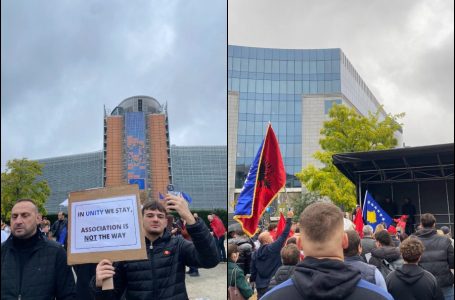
{"x":33,"y":267}
{"x":322,"y":274}
{"x":162,"y":275}
{"x":386,"y":257}
{"x":290,"y":255}
{"x":59,"y":226}
{"x":266,"y":260}
{"x":410,"y":210}
{"x":412,"y":282}
{"x":437,"y":257}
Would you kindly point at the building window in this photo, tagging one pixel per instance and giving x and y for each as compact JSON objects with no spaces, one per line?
{"x":329,"y":103}
{"x":139,"y":105}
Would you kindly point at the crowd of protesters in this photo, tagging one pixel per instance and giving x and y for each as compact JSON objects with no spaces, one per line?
{"x":319,"y":258}
{"x":323,"y":259}
{"x":34,"y":259}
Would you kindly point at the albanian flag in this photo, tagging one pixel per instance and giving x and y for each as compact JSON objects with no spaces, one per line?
{"x":264,"y":181}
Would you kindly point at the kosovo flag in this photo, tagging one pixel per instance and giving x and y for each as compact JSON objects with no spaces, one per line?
{"x":373,"y":213}
{"x":264,"y":181}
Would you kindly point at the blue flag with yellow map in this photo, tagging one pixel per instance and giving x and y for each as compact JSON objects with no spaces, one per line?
{"x":373,"y":213}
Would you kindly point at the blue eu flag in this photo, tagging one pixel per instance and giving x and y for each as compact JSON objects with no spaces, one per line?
{"x":373,"y":213}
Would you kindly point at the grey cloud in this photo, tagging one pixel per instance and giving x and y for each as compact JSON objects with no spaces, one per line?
{"x":63,"y":60}
{"x":403,"y":50}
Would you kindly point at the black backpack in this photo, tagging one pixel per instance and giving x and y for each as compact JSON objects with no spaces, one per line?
{"x":387,"y":267}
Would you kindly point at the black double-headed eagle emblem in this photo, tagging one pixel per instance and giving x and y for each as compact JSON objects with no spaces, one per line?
{"x":264,"y":176}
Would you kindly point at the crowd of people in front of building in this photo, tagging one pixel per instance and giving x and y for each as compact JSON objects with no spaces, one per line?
{"x":34,"y":259}
{"x":318,"y":258}
{"x":322,"y":259}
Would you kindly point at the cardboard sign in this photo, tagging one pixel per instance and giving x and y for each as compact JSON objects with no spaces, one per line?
{"x":105,"y":223}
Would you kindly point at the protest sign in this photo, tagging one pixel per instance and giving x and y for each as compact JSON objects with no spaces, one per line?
{"x":105,"y":223}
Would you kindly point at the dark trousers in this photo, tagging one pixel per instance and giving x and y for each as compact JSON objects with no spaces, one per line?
{"x":220,"y":243}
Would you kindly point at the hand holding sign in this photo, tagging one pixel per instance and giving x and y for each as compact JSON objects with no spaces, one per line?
{"x":104,"y":271}
{"x":178,"y":204}
{"x":105,"y":225}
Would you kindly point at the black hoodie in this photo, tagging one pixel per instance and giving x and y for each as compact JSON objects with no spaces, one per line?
{"x":414,"y":283}
{"x":326,"y":279}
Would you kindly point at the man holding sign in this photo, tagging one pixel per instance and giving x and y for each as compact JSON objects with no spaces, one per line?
{"x":162,"y":275}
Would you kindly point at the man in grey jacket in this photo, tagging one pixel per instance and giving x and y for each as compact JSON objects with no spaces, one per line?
{"x":352,"y":258}
{"x":368,"y":242}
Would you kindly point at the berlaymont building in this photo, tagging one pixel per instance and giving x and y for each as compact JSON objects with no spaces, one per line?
{"x":136,"y":150}
{"x":294,"y":89}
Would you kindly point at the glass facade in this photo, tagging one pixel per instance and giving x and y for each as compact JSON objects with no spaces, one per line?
{"x":201,"y":172}
{"x":71,"y":173}
{"x":271,"y":84}
{"x":329,"y":103}
{"x":135,"y":148}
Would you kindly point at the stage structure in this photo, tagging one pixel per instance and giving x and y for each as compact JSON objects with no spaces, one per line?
{"x":422,"y":174}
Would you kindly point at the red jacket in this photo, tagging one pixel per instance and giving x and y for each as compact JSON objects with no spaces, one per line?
{"x":218,"y":227}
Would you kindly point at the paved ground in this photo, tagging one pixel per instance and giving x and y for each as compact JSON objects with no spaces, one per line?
{"x":211,"y":285}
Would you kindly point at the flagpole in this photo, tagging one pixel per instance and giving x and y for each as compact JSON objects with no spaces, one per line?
{"x":286,"y":197}
{"x":364,"y":206}
{"x":360,"y":198}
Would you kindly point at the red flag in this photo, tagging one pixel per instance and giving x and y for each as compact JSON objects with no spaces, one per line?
{"x":358,"y":221}
{"x":280,"y":226}
{"x":264,"y":181}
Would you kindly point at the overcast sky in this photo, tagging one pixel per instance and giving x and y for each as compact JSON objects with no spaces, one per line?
{"x":63,"y":60}
{"x":404,"y":50}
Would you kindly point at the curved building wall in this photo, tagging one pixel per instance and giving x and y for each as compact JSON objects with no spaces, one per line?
{"x":137,"y":146}
{"x":138,"y":103}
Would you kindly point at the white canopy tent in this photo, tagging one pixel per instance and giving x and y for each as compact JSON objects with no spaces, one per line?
{"x":64,"y":203}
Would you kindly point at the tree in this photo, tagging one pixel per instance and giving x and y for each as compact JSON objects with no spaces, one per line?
{"x":20,"y":181}
{"x":299,"y":204}
{"x":347,"y":131}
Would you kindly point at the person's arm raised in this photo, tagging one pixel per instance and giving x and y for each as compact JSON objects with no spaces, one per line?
{"x":278,"y":244}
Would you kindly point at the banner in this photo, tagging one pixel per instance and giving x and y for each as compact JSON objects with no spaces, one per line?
{"x":105,"y":223}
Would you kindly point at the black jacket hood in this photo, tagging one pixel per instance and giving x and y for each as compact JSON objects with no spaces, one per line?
{"x":425,"y":232}
{"x":387,"y":252}
{"x":410,"y":273}
{"x":325,"y":279}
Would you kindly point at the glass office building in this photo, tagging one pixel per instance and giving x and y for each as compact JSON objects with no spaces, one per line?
{"x":136,"y":145}
{"x":294,"y":90}
{"x":201,"y":172}
{"x":136,"y":150}
{"x":71,"y":173}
